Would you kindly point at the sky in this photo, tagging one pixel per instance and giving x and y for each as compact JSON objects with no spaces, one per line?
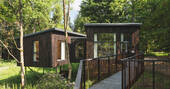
{"x":75,"y":10}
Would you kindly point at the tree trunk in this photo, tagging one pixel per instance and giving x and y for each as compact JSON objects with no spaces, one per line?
{"x":66,"y":37}
{"x":21,"y":48}
{"x":0,"y":52}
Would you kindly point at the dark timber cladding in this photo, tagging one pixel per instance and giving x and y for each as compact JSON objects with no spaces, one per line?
{"x":43,"y":49}
{"x":129,"y":29}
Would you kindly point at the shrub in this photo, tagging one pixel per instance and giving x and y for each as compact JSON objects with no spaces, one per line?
{"x":53,"y":81}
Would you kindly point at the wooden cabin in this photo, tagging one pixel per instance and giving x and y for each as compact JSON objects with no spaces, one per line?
{"x":47,"y":48}
{"x":104,"y":39}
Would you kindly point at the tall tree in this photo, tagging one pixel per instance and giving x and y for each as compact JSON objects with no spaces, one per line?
{"x":21,"y":46}
{"x":66,"y":20}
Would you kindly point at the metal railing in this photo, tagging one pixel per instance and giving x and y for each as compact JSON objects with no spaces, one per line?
{"x":138,"y":73}
{"x":93,"y":70}
{"x":132,"y":68}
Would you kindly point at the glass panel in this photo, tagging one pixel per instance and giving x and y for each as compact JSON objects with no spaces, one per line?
{"x":95,"y":46}
{"x":104,"y":44}
{"x":62,"y":50}
{"x":36,"y":51}
{"x":124,"y":42}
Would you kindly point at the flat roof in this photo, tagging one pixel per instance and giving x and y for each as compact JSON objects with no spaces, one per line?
{"x":113,"y":24}
{"x":54,"y":29}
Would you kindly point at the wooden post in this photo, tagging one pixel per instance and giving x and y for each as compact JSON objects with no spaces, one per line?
{"x":122,"y":76}
{"x":129,"y":76}
{"x":84,"y":74}
{"x":109,"y":65}
{"x":153,"y":74}
{"x":98,"y":68}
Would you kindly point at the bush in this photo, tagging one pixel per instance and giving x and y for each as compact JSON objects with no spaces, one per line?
{"x":53,"y":81}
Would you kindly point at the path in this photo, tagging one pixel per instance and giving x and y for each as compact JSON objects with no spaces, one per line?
{"x":112,"y":82}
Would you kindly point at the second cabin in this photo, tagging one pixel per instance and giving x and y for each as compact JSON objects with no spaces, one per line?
{"x":47,"y":48}
{"x":106,"y":39}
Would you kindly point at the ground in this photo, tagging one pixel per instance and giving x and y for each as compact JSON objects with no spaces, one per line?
{"x":10,"y":74}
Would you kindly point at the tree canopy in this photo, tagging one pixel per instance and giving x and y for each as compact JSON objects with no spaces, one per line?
{"x":152,"y":13}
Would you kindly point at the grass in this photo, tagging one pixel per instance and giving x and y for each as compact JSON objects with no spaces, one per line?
{"x":157,"y":54}
{"x":10,"y":74}
{"x":162,"y":81}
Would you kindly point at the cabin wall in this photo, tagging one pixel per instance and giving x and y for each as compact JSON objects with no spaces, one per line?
{"x":77,"y":50}
{"x":134,"y":41}
{"x":56,"y":39}
{"x":44,"y":50}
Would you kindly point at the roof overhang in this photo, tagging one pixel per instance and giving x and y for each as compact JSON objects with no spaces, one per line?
{"x":112,"y":24}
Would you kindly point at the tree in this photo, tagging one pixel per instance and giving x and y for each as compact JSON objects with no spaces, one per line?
{"x":21,"y":46}
{"x":23,"y":16}
{"x":153,"y":14}
{"x":157,"y":30}
{"x":66,"y":20}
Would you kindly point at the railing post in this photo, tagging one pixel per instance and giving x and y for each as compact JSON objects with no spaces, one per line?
{"x":125,"y":74}
{"x":98,"y":69}
{"x":122,"y":76}
{"x":84,"y":74}
{"x":129,"y":75}
{"x":108,"y":65}
{"x":153,"y":72}
{"x":116,"y":62}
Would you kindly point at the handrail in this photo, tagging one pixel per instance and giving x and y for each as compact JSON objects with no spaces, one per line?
{"x":132,"y":69}
{"x":78,"y":77}
{"x":81,"y":74}
{"x":130,"y":58}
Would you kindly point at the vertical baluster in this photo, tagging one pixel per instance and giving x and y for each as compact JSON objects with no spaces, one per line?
{"x":84,"y":74}
{"x":108,"y":65}
{"x":153,"y":74}
{"x":98,"y":69}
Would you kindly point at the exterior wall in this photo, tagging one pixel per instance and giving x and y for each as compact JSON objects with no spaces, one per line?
{"x":44,"y":50}
{"x":90,"y":30}
{"x":73,"y":46}
{"x":55,"y":41}
{"x":56,"y":37}
{"x":89,"y":42}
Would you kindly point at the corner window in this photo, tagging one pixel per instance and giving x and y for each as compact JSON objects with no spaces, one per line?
{"x":36,"y":51}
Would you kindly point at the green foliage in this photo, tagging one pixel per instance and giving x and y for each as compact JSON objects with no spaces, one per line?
{"x":10,"y":75}
{"x":53,"y":81}
{"x":154,"y":14}
{"x":36,"y":14}
{"x":157,"y":54}
{"x":156,"y":31}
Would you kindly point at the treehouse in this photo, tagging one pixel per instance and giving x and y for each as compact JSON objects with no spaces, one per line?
{"x":47,"y":48}
{"x":104,"y":39}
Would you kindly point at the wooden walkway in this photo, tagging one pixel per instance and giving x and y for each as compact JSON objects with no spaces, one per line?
{"x":112,"y":82}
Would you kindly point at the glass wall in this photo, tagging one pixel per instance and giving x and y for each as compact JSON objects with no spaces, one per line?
{"x":104,"y":44}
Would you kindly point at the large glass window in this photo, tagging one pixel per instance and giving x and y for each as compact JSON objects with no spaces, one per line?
{"x":36,"y":51}
{"x":104,"y":44}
